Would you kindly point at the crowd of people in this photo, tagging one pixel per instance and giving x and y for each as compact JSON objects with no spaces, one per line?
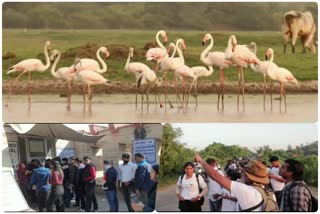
{"x":245,"y":185}
{"x":52,"y":184}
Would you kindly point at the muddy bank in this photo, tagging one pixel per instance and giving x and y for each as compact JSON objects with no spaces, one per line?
{"x":204,"y":87}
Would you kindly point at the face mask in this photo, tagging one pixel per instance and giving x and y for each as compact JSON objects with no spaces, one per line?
{"x":126,"y":162}
{"x":107,"y":166}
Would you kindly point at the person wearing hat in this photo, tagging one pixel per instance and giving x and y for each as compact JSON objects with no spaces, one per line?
{"x":254,"y":173}
{"x":126,"y":179}
{"x":109,"y":186}
{"x":57,"y":190}
{"x":277,"y":181}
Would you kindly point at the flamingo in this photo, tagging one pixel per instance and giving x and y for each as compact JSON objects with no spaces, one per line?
{"x":262,"y":68}
{"x":137,"y":68}
{"x":217,"y":59}
{"x":148,"y":79}
{"x":89,"y":78}
{"x":29,"y":65}
{"x":241,"y":56}
{"x":91,"y":64}
{"x":184,"y":71}
{"x":159,"y":52}
{"x":167,"y":63}
{"x":283,"y":76}
{"x":65,"y":73}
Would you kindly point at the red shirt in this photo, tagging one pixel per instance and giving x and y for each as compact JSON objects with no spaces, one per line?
{"x":56,"y":178}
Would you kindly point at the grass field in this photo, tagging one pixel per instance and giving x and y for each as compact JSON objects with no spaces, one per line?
{"x":30,"y":45}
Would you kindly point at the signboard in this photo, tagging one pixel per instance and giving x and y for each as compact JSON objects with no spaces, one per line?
{"x":147,"y":147}
{"x":12,"y":197}
{"x":13,"y":152}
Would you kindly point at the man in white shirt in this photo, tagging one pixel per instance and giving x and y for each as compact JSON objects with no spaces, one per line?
{"x":126,"y":178}
{"x":215,"y":189}
{"x":249,"y":198}
{"x":277,"y":181}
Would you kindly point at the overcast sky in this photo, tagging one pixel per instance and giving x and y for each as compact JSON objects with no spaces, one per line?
{"x":252,"y":135}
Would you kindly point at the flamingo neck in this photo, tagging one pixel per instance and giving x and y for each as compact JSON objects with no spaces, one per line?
{"x":159,"y":43}
{"x":271,"y":58}
{"x":179,"y":51}
{"x":127,"y":63}
{"x":174,"y":51}
{"x":205,"y":52}
{"x":53,"y":68}
{"x":104,"y":65}
{"x":47,"y":65}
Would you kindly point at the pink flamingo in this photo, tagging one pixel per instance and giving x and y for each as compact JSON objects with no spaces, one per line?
{"x":216,"y":59}
{"x":137,"y":68}
{"x":160,"y":52}
{"x":184,"y":71}
{"x":241,"y":56}
{"x":283,"y":76}
{"x":263,"y":68}
{"x":29,"y":65}
{"x":91,"y":64}
{"x":65,"y":73}
{"x":89,"y":78}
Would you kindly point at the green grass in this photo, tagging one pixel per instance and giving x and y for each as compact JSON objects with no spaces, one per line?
{"x":167,"y":181}
{"x":30,"y":45}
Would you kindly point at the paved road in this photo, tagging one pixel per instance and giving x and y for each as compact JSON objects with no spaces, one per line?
{"x":168,"y":201}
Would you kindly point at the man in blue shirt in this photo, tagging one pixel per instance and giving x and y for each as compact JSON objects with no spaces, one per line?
{"x":109,"y":186}
{"x":40,"y":177}
{"x":142,"y":180}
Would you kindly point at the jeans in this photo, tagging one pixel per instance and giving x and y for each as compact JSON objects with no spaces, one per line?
{"x":67,"y":197}
{"x":151,"y":205}
{"x":215,"y":206}
{"x":42,"y":199}
{"x":189,"y":206}
{"x":111,"y":196}
{"x":56,"y":197}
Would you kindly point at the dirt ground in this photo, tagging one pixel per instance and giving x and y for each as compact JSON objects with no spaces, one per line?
{"x":204,"y":87}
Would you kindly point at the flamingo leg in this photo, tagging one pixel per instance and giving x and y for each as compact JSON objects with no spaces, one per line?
{"x":90,"y":97}
{"x":155,"y":96}
{"x":222,"y":90}
{"x":137,"y":91}
{"x":70,"y":92}
{"x":219,"y":92}
{"x":196,"y":93}
{"x":280,"y":95}
{"x":285,"y":98}
{"x":166,"y":82}
{"x":271,"y":93}
{"x":84,"y":96}
{"x":11,"y":85}
{"x":264,"y":92}
{"x":239,"y":86}
{"x":147,"y":92}
{"x":243,"y":88}
{"x":189,"y":92}
{"x":29,"y":91}
{"x":179,"y":102}
{"x":141,"y":100}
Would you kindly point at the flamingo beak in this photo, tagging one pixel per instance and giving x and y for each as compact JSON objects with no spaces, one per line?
{"x":203,"y":43}
{"x":165,"y":40}
{"x":266,"y":57}
{"x":107,"y":54}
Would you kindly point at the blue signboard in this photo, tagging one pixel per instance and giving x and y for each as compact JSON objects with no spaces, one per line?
{"x":147,"y":147}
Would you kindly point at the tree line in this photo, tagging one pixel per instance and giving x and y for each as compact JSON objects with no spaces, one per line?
{"x":174,"y":154}
{"x":150,"y":15}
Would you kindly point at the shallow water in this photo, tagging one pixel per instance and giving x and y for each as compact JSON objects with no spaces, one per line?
{"x":119,"y":108}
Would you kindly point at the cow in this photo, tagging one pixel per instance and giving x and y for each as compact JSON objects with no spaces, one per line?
{"x":299,"y":25}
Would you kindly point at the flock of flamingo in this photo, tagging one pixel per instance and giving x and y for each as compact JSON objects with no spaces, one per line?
{"x":88,"y":71}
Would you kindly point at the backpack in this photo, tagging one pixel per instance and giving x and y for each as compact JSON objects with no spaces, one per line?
{"x":314,"y":201}
{"x":269,"y":204}
{"x":199,"y":188}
